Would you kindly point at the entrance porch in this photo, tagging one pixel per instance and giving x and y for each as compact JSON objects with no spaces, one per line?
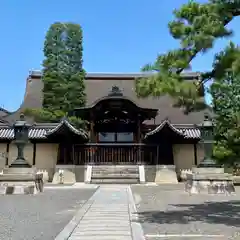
{"x":119,"y":137}
{"x":162,"y":153}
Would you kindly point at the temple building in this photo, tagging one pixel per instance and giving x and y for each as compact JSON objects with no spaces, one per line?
{"x":144,"y":134}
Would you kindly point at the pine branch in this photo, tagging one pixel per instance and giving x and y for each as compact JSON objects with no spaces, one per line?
{"x":208,"y":75}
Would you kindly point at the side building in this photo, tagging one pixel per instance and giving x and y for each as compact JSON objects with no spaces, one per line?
{"x":122,"y":130}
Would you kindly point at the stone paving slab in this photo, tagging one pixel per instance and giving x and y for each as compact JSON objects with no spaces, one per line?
{"x":104,"y":227}
{"x":108,"y":217}
{"x":102,"y":238}
{"x":188,"y":238}
{"x":108,"y":214}
{"x":168,"y":210}
{"x":70,"y":186}
{"x":106,"y":232}
{"x":41,"y":216}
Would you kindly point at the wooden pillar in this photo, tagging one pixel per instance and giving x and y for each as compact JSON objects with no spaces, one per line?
{"x":195,"y":154}
{"x":73,"y":155}
{"x":65,"y":155}
{"x":34,"y":154}
{"x":139,"y":139}
{"x":7,"y":154}
{"x":92,"y":139}
{"x":139,"y":130}
{"x":92,"y":132}
{"x":157,"y":160}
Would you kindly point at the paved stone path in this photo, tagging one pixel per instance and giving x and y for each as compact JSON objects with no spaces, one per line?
{"x":108,"y":216}
{"x":167,"y":212}
{"x":41,"y":216}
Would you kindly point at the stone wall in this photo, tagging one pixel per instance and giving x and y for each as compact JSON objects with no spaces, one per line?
{"x":183,"y":156}
{"x":46,"y":157}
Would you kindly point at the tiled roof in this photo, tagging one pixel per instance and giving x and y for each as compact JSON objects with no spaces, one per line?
{"x":41,"y":131}
{"x":65,"y":123}
{"x":3,"y":112}
{"x":188,"y":132}
{"x":2,"y":121}
{"x":34,"y":133}
{"x":161,"y":126}
{"x":104,"y":82}
{"x":106,"y":75}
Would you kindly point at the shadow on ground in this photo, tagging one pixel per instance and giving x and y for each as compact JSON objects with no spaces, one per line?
{"x":227,"y":213}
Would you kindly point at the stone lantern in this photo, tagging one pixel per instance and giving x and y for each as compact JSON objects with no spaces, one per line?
{"x":207,"y":137}
{"x":208,"y":176}
{"x":21,"y":130}
{"x":20,"y":177}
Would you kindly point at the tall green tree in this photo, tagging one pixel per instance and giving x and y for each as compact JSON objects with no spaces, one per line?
{"x":226,"y":104}
{"x":75,"y":75}
{"x":63,"y":74}
{"x":53,"y":68}
{"x":196,"y":26}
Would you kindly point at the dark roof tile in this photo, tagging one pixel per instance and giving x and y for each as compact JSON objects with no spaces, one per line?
{"x":40,"y":131}
{"x":189,"y":132}
{"x":103,"y":82}
{"x":34,"y":133}
{"x":65,"y":123}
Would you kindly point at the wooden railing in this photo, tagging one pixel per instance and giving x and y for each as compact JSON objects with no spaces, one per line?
{"x":115,"y":153}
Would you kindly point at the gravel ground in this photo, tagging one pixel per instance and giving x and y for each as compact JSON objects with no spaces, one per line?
{"x":167,"y":209}
{"x":39,"y":217}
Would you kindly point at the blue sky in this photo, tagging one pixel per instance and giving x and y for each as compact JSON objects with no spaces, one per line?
{"x":119,"y":36}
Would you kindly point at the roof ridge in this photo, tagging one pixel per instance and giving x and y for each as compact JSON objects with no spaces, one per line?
{"x":38,"y":73}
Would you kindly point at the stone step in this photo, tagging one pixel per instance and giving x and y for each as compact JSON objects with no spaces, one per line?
{"x":114,"y":181}
{"x":121,"y":168}
{"x":114,"y":172}
{"x":119,"y":176}
{"x":118,"y":167}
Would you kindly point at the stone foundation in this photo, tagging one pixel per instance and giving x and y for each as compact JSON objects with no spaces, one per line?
{"x":210,"y":184}
{"x":236,"y":180}
{"x":12,"y":188}
{"x":71,"y":174}
{"x":20,"y":181}
{"x":166,"y":174}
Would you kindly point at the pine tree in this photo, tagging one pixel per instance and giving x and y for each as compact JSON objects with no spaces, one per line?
{"x":197,"y":26}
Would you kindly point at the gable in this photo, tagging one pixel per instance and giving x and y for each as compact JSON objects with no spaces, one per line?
{"x":98,"y":85}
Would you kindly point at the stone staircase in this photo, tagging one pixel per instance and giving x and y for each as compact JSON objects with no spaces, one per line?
{"x":115,"y":174}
